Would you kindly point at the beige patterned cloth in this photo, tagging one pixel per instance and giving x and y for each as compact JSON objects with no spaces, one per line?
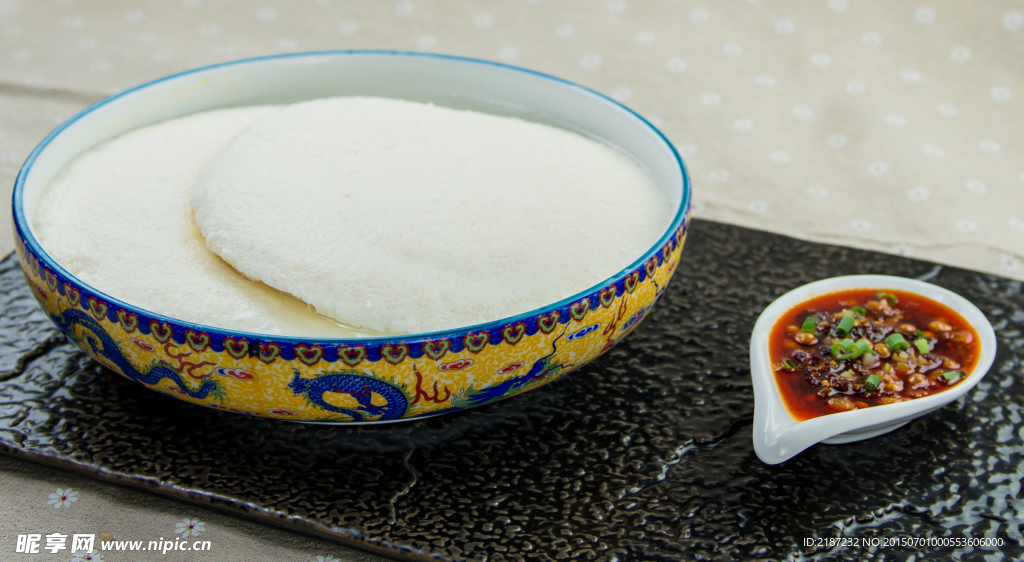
{"x":894,"y":126}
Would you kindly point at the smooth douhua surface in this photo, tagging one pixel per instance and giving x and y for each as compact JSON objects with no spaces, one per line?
{"x":118,"y":218}
{"x":404,"y":217}
{"x":644,"y":454}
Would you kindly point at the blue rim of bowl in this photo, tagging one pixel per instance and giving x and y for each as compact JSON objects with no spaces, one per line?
{"x":679,"y":220}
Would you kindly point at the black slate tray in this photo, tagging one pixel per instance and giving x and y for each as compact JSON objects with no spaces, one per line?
{"x":645,"y":454}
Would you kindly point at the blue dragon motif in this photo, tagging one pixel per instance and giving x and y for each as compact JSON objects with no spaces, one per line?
{"x":541,"y":368}
{"x":356,"y":385}
{"x":105,"y":346}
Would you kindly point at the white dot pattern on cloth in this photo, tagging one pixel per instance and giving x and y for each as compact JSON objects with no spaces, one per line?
{"x":802,"y":112}
{"x":821,"y":60}
{"x":675,"y":64}
{"x":918,"y":194}
{"x":914,"y":104}
{"x":817,"y":192}
{"x":837,"y":140}
{"x":938,"y":164}
{"x":743,"y":125}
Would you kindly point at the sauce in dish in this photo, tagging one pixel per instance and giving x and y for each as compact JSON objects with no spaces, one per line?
{"x":863,"y":348}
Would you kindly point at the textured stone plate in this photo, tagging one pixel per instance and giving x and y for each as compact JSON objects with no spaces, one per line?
{"x":644,"y":454}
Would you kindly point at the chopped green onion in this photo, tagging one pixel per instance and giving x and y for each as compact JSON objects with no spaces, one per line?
{"x":919,"y":334}
{"x":864,"y":346}
{"x":922,"y":345}
{"x":872,"y":382}
{"x":859,"y":311}
{"x":887,"y":296}
{"x":845,"y":325}
{"x":788,"y":364}
{"x":809,"y":325}
{"x":953,"y":376}
{"x":897,"y":343}
{"x":846,"y":349}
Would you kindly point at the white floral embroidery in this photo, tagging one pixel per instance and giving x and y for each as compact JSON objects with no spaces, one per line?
{"x":960,"y":54}
{"x":565,"y":30}
{"x":895,"y":120}
{"x":163,"y":55}
{"x":838,"y":5}
{"x":988,"y":145}
{"x":719,"y":175}
{"x":837,"y":140}
{"x":622,"y":93}
{"x":483,"y":21}
{"x":965,"y":225}
{"x":856,"y":88}
{"x":1011,"y":263}
{"x":266,"y":14}
{"x":902,"y":250}
{"x":759,"y":207}
{"x":508,"y":53}
{"x":615,"y":7}
{"x":766,"y":80}
{"x":675,"y":65}
{"x":1001,"y":93}
{"x":404,"y":8}
{"x":924,"y":15}
{"x":743,"y":125}
{"x":910,"y":75}
{"x":63,"y":497}
{"x":710,"y":99}
{"x":699,"y":16}
{"x":821,"y":60}
{"x":1017,"y":224}
{"x":871,"y":39}
{"x":1013,"y":21}
{"x":591,"y":61}
{"x":189,"y":527}
{"x":780,"y":157}
{"x":347,"y":28}
{"x":687,"y":150}
{"x":732,"y":49}
{"x":646,"y":37}
{"x":803,"y":112}
{"x":934,"y":151}
{"x":785,"y":27}
{"x":860,"y":225}
{"x":426,"y":41}
{"x":978,"y":187}
{"x":817,"y":192}
{"x":948,"y":110}
{"x":878,"y":169}
{"x":918,"y":194}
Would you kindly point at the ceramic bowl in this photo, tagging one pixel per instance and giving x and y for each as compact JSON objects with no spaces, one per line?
{"x":778,"y":436}
{"x":353,"y":380}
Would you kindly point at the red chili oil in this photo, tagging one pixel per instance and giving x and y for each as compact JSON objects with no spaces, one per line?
{"x":876,"y":358}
